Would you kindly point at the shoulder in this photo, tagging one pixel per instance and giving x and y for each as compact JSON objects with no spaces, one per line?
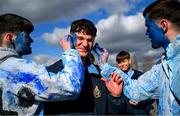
{"x":138,"y":72}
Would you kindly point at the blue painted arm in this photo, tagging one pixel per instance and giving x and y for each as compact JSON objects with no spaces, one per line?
{"x":145,"y":87}
{"x":66,"y":84}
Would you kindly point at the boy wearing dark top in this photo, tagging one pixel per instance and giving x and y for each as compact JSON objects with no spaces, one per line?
{"x":95,"y":98}
{"x":124,"y":62}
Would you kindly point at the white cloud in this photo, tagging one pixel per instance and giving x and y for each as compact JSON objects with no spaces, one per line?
{"x":44,"y":59}
{"x":132,"y":24}
{"x":154,"y":53}
{"x":52,"y":10}
{"x":54,"y":37}
{"x":119,"y":32}
{"x":120,"y":25}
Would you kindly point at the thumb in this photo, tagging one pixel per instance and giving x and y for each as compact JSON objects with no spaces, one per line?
{"x":104,"y":79}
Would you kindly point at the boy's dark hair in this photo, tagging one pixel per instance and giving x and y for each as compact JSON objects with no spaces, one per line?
{"x":13,"y":23}
{"x":85,"y":26}
{"x":168,"y":9}
{"x":122,"y":55}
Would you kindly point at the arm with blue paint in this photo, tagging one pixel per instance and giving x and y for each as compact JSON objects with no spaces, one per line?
{"x":66,"y":84}
{"x":26,"y":83}
{"x":70,"y":78}
{"x":145,"y":87}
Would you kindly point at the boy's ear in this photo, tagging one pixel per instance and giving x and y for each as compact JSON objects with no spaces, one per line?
{"x":164,"y":25}
{"x":9,"y":37}
{"x":130,"y":61}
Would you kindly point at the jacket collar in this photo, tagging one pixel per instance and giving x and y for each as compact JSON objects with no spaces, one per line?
{"x":5,"y":52}
{"x":173,"y":49}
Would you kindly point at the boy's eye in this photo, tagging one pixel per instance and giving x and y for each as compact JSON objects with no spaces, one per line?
{"x":90,"y":40}
{"x":80,"y":38}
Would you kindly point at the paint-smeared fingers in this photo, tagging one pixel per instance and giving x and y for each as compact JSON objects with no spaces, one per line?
{"x":115,"y":77}
{"x":64,"y":44}
{"x":119,"y":80}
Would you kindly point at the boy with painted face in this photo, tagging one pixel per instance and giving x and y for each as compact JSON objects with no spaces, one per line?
{"x":162,"y":19}
{"x":96,"y":97}
{"x":24,"y":84}
{"x":21,"y":43}
{"x":156,"y":34}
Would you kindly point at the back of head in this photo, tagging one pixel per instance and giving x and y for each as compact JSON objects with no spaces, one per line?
{"x":14,"y":23}
{"x":168,"y":9}
{"x":85,"y":26}
{"x":122,"y":55}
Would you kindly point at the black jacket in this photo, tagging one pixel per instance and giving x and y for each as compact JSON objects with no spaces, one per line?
{"x":93,"y":99}
{"x":143,"y":107}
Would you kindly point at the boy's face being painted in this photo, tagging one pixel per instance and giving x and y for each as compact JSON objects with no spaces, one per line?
{"x":156,"y":34}
{"x":22,"y":43}
{"x":84,"y":43}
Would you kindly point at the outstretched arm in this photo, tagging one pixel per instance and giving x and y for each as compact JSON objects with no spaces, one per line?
{"x":66,"y":84}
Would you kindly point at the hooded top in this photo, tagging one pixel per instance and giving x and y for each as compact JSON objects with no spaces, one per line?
{"x":24,"y":83}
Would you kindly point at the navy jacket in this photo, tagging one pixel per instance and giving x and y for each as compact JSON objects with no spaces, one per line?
{"x":143,"y":107}
{"x":93,"y":99}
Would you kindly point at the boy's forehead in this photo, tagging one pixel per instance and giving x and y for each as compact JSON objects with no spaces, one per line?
{"x":149,"y":22}
{"x":84,"y":35}
{"x":124,"y":59}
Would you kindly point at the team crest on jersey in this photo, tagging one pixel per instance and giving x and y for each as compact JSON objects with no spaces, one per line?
{"x":97,"y":92}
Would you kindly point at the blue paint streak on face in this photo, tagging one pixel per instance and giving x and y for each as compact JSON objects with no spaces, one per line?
{"x":156,"y":34}
{"x":22,"y":77}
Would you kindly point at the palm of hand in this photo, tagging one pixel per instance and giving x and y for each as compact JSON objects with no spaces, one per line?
{"x":114,"y":88}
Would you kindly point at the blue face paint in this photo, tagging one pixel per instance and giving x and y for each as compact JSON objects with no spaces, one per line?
{"x":22,"y":43}
{"x":156,"y":34}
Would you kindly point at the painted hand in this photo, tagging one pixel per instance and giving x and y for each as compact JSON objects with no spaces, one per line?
{"x":104,"y":56}
{"x":115,"y":85}
{"x":101,"y":53}
{"x":69,"y":42}
{"x":65,"y":45}
{"x":72,"y":39}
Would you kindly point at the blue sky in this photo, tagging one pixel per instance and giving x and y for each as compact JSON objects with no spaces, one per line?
{"x":120,"y":25}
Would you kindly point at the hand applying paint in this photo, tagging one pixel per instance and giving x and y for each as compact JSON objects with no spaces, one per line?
{"x":72,"y":38}
{"x":101,"y":53}
{"x":69,"y":42}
